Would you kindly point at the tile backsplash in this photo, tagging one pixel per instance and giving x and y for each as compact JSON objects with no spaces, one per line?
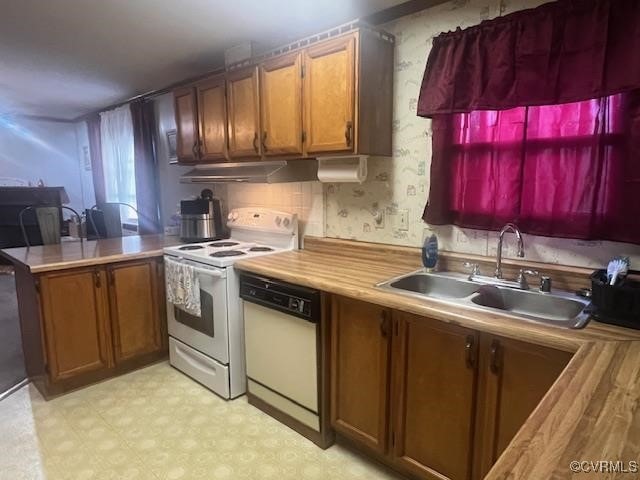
{"x":303,"y":198}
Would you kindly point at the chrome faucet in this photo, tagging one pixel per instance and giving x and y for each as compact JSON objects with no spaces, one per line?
{"x":508,"y":227}
{"x":497,"y":280}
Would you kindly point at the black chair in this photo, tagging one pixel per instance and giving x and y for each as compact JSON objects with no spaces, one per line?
{"x":49,"y":223}
{"x":106,"y":221}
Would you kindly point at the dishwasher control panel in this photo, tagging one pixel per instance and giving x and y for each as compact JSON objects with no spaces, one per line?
{"x":293,"y":299}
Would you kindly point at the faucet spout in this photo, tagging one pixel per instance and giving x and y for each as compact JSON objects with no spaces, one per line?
{"x":509,"y":227}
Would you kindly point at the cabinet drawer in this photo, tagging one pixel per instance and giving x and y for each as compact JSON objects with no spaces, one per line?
{"x":205,"y":370}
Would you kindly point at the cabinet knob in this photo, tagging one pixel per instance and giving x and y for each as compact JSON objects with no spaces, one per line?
{"x":494,"y":365}
{"x":255,"y":142}
{"x":469,"y":351}
{"x":348,"y":133}
{"x":384,"y":324}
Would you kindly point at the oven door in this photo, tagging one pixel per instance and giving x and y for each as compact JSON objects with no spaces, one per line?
{"x":208,"y":332}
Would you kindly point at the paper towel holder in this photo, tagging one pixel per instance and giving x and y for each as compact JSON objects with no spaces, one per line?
{"x":356,"y":163}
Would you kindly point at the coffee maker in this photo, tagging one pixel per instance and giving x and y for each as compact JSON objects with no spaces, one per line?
{"x":201,"y":219}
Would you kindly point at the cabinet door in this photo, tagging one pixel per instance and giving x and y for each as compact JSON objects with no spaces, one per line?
{"x":329,"y":94}
{"x":435,"y":370}
{"x":76,"y":316}
{"x":186,"y":124}
{"x":281,"y":105}
{"x":514,"y":376}
{"x":243,"y":110}
{"x":360,"y":341}
{"x":212,"y":113}
{"x":135,"y":309}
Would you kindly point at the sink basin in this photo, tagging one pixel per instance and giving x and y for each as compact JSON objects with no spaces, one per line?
{"x":557,"y":308}
{"x":435,"y":286}
{"x":534,"y":305}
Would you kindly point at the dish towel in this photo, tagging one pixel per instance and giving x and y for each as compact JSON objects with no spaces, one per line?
{"x":183,"y":286}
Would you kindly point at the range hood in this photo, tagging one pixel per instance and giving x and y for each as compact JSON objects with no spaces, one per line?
{"x":276,"y":171}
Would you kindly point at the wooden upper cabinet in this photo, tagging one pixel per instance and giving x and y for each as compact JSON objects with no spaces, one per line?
{"x":435,"y":369}
{"x":281,"y":105}
{"x":244,"y":113}
{"x":360,"y":344}
{"x":212,"y":119}
{"x":186,"y":114}
{"x":332,"y":97}
{"x":514,"y":376}
{"x":329,"y":96}
{"x":136,"y":313}
{"x":75,"y":309}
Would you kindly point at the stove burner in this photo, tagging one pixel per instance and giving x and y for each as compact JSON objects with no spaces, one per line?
{"x":226,"y":253}
{"x":223,"y":244}
{"x":191,"y":247}
{"x":261,"y":249}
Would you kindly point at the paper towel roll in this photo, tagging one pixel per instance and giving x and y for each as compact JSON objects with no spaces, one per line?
{"x":342,"y":169}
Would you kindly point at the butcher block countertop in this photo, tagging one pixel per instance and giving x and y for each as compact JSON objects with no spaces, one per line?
{"x":46,"y":258}
{"x":590,"y":413}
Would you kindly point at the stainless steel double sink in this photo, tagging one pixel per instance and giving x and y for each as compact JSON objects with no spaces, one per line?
{"x":557,"y":308}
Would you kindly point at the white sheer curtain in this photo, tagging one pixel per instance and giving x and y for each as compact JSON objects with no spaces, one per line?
{"x":116,"y":131}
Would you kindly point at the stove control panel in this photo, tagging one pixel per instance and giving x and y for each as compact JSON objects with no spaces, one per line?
{"x":262,"y":219}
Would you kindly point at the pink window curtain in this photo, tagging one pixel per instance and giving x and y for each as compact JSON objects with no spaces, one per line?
{"x":560,"y":52}
{"x":570,"y":170}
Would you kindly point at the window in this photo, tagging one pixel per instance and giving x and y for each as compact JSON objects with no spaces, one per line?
{"x":116,"y":131}
{"x":559,"y":170}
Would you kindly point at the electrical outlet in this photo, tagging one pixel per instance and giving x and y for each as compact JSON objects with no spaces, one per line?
{"x":401,"y":220}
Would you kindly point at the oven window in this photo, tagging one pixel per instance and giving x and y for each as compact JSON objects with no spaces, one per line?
{"x":203,"y":323}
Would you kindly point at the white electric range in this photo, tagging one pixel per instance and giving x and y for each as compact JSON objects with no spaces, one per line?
{"x":210,"y":347}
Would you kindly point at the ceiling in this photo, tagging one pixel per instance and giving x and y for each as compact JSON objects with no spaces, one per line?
{"x":66,"y":58}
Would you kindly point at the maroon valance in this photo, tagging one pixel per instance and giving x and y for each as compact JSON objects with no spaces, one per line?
{"x":564,"y":51}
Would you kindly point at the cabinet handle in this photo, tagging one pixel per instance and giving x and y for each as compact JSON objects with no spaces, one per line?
{"x":493,"y":363}
{"x":96,"y":279}
{"x":255,"y":142}
{"x":194,"y":150}
{"x":112,"y":277}
{"x":347,"y":133}
{"x":264,"y":141}
{"x":384,"y":324}
{"x":469,"y":351}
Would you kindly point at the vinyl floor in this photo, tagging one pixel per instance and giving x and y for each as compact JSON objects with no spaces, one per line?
{"x":155,"y":424}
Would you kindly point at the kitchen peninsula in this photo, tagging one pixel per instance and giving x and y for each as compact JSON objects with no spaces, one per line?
{"x":90,"y":310}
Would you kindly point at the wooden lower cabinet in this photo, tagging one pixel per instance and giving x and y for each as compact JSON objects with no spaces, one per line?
{"x":87,"y":324}
{"x":75,"y":311}
{"x":360,"y":347}
{"x":136,"y":310}
{"x":431,"y":399}
{"x":514,"y":376}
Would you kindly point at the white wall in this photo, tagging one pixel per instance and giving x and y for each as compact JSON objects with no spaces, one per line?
{"x":33,"y":150}
{"x":84,"y":158}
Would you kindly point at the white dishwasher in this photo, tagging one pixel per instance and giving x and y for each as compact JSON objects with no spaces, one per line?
{"x":281,"y":325}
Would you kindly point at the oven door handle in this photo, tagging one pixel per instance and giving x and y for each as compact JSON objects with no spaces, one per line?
{"x":205,"y":271}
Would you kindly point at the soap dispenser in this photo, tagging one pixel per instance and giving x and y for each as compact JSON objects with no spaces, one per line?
{"x":430,"y":253}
